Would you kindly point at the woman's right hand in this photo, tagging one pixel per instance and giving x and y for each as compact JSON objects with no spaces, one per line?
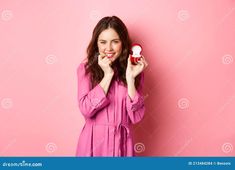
{"x":105,"y":64}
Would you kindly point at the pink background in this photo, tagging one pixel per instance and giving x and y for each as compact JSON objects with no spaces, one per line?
{"x":189,"y":88}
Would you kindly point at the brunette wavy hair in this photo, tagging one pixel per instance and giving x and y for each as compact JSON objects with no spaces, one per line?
{"x":120,"y":64}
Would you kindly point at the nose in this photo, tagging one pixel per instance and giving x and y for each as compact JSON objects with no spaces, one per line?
{"x":109,"y":47}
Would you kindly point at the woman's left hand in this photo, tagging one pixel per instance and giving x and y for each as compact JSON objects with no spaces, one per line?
{"x":133,"y":70}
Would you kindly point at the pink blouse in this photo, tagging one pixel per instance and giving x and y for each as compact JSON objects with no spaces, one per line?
{"x":108,"y":117}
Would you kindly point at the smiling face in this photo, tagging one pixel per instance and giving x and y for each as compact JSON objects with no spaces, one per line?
{"x":110,"y":44}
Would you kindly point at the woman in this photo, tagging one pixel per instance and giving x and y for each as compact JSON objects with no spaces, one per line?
{"x":109,"y":92}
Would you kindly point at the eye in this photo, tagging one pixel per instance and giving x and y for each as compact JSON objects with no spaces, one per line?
{"x":102,"y":41}
{"x":116,"y":41}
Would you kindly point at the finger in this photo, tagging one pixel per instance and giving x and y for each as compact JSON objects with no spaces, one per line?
{"x":102,"y":54}
{"x":106,"y":59}
{"x":102,"y":59}
{"x":99,"y":58}
{"x":142,"y":64}
{"x":143,"y":58}
{"x":140,"y":61}
{"x":144,"y":61}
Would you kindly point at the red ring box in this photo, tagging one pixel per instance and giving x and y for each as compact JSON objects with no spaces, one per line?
{"x":136,"y":53}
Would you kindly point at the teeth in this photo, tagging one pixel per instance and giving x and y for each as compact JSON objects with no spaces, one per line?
{"x":109,"y":55}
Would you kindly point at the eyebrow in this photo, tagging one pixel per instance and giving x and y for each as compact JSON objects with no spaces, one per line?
{"x":111,"y":40}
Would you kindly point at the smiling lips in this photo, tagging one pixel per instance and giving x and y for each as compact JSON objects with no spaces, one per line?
{"x":110,"y":55}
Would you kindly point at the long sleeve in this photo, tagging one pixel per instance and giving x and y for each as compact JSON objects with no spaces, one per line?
{"x":90,"y":101}
{"x":135,"y":108}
